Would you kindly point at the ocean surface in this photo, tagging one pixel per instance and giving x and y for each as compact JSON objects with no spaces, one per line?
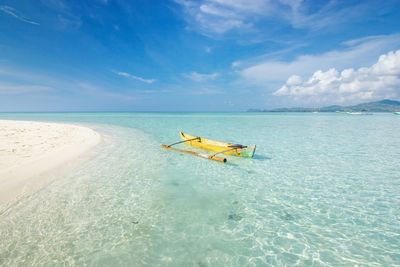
{"x":322,"y":190}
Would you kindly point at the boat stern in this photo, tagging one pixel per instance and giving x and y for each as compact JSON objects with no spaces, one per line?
{"x":248,"y":152}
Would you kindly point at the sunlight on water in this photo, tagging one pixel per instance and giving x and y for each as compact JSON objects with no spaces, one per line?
{"x":323,"y":190}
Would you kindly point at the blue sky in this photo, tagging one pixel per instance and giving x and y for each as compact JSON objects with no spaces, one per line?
{"x":210,"y":55}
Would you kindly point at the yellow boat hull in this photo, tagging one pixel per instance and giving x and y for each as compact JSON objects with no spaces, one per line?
{"x":217,"y":146}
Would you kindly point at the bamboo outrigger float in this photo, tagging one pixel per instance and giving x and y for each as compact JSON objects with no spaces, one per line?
{"x":210,"y":145}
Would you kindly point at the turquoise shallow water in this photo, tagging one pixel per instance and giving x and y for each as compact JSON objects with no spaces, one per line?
{"x":323,"y":190}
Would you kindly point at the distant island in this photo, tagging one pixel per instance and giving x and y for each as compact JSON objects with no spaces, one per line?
{"x":385,"y":105}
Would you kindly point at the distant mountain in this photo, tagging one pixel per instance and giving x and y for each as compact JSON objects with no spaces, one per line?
{"x":385,"y":105}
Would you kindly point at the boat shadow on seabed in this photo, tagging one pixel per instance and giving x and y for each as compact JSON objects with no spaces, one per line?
{"x":231,"y":161}
{"x":260,"y":157}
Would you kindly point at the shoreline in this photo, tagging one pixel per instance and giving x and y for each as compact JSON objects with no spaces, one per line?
{"x":30,"y":151}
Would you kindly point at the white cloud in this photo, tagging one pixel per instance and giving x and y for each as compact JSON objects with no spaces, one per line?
{"x":208,"y":49}
{"x":12,"y":89}
{"x":134,"y":77}
{"x":354,"y":53}
{"x":381,"y":80}
{"x":201,"y":77}
{"x":69,"y":21}
{"x":221,"y":16}
{"x":15,"y":81}
{"x":97,"y":91}
{"x":214,"y":16}
{"x":24,"y":77}
{"x":64,"y":14}
{"x":161,"y":91}
{"x":13,"y":12}
{"x":206,"y":91}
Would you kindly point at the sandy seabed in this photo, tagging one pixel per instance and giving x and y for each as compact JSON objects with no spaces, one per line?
{"x":30,"y":150}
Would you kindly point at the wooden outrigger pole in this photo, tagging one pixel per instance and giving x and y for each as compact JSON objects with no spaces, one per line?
{"x":193,"y":153}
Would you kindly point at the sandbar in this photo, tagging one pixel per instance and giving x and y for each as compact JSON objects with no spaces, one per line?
{"x":30,"y":150}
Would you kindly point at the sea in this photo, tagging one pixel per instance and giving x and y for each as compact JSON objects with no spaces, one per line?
{"x":322,"y":190}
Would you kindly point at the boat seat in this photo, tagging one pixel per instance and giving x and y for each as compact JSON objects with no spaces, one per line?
{"x":237,"y":146}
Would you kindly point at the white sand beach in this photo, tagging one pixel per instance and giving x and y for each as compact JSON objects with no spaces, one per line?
{"x":30,"y":150}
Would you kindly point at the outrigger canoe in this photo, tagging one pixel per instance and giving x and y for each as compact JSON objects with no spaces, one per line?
{"x":217,"y":147}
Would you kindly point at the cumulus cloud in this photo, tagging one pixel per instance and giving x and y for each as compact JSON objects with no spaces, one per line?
{"x":202,"y":77}
{"x":381,"y":80}
{"x":361,"y":52}
{"x":134,"y":77}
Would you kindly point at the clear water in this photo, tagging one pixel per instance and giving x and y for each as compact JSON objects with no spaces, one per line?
{"x":323,"y":190}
